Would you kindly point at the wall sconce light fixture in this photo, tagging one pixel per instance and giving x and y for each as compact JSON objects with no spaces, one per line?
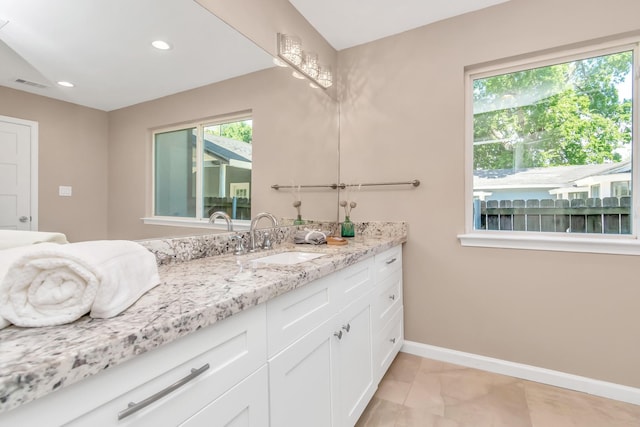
{"x":304,"y":63}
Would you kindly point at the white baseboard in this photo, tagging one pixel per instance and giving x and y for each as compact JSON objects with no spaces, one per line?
{"x":527,"y":372}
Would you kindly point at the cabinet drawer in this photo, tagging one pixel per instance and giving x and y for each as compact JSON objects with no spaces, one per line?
{"x":294,"y":314}
{"x":245,"y":405}
{"x":388,"y":297}
{"x":388,"y":262}
{"x":353,"y":282}
{"x":389,"y":343}
{"x":235,"y":349}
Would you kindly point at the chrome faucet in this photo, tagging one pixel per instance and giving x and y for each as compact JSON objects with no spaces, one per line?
{"x":223,"y":215}
{"x":239,"y":244}
{"x":254,"y":222}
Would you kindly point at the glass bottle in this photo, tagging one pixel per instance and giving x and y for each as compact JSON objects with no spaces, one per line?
{"x":347,"y":229}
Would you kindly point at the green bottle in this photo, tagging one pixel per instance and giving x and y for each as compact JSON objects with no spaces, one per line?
{"x":347,"y":229}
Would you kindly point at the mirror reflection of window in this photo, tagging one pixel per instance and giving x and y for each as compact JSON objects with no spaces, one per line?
{"x":204,"y":168}
{"x":174,"y":192}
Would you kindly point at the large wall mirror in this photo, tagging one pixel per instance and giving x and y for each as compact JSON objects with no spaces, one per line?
{"x":125,"y":92}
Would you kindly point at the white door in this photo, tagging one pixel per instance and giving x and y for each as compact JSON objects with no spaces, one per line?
{"x":16,"y":210}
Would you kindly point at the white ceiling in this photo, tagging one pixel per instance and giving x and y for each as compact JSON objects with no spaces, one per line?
{"x":103,"y":46}
{"x":347,"y":23}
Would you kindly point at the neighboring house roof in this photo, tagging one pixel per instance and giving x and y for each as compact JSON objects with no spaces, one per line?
{"x":623,"y":167}
{"x":551,"y":177}
{"x":227,"y":148}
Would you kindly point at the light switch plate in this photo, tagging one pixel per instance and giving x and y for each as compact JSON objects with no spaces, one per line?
{"x":65,"y":190}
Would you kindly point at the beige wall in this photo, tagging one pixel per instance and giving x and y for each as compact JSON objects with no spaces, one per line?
{"x":295,"y":141}
{"x":106,"y":157}
{"x":72,"y":151}
{"x":402,"y":117}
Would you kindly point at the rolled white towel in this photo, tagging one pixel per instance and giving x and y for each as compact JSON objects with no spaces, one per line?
{"x":50,"y":284}
{"x":7,"y":258}
{"x":15,"y":238}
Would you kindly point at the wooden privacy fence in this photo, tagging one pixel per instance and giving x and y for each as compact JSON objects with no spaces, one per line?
{"x":609,"y":215}
{"x":235,"y":207}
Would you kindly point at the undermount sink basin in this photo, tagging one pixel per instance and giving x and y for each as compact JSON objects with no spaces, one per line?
{"x":289,"y":258}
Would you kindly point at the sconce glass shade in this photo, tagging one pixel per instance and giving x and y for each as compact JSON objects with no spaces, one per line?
{"x":291,"y":48}
{"x":304,"y":64}
{"x":310,"y":64}
{"x":324,"y":77}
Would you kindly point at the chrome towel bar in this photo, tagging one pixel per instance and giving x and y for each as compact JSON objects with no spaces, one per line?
{"x":342,"y":186}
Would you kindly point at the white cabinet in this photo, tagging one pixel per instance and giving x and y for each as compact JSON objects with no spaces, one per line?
{"x":301,"y":384}
{"x":387,"y":299}
{"x":294,"y":314}
{"x":354,"y":362}
{"x":245,"y":405}
{"x":311,"y":357}
{"x":387,"y":344}
{"x":325,"y":378}
{"x":388,"y":262}
{"x":387,"y":310}
{"x":221,"y":356}
{"x":353,"y":282}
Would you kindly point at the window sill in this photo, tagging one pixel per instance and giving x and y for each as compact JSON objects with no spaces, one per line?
{"x":238,"y":225}
{"x":618,"y":245}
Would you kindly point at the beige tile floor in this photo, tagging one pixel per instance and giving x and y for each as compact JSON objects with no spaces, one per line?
{"x":419,"y":392}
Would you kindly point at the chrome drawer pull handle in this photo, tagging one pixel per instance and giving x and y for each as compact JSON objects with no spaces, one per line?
{"x":338,"y":334}
{"x":392,"y":297}
{"x":391,"y":261}
{"x":393,"y":340}
{"x":135,"y":407}
{"x":347,"y":327}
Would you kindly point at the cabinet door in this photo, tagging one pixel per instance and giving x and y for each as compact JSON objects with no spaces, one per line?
{"x":245,"y":405}
{"x":354,"y":362}
{"x":300,"y":381}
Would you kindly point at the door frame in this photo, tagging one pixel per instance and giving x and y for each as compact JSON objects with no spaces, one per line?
{"x":33,"y":188}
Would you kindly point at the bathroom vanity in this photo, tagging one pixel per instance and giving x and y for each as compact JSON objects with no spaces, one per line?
{"x":222,"y":340}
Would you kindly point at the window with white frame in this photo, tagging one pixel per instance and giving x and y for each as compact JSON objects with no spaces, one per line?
{"x":539,"y":133}
{"x":202,"y":168}
{"x":620,"y":188}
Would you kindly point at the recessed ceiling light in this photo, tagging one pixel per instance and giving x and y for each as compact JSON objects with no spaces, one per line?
{"x":161,"y":44}
{"x":66,"y":84}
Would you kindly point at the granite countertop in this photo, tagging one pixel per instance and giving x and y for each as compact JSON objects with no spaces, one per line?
{"x":191,"y":295}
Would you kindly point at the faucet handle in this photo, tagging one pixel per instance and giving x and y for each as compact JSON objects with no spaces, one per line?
{"x":266,"y":243}
{"x":239,"y":244}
